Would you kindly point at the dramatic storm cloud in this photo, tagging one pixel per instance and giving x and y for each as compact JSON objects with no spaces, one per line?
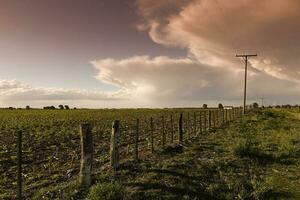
{"x":179,"y":82}
{"x":214,"y":30}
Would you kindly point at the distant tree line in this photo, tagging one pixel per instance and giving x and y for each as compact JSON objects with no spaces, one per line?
{"x":61,"y":107}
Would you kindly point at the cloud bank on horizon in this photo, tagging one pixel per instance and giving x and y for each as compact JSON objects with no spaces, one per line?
{"x":212,"y":32}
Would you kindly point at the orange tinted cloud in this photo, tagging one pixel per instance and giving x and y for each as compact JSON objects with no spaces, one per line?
{"x":216,"y":30}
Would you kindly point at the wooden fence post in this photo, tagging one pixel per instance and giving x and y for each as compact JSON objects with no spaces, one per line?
{"x":172,"y":130}
{"x":223,"y":116}
{"x":195,"y":124}
{"x":136,"y":157}
{"x":205,"y":120}
{"x":152,"y":136}
{"x":200,"y":123}
{"x":188,"y":125}
{"x":209,"y":119}
{"x":114,"y":145}
{"x":214,"y":118}
{"x":163,"y":132}
{"x":180,"y":128}
{"x":86,"y":142}
{"x":19,"y":157}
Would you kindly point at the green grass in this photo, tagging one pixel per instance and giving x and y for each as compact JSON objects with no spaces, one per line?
{"x":51,"y":145}
{"x":256,"y":157}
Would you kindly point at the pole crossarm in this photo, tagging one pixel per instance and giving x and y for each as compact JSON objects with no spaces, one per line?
{"x":246,"y":55}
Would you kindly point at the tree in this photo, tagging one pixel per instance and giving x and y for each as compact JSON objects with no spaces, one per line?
{"x":49,"y":108}
{"x":61,"y":107}
{"x":27,"y":107}
{"x":204,"y":106}
{"x":67,"y":107}
{"x":220,"y":106}
{"x":255,"y":105}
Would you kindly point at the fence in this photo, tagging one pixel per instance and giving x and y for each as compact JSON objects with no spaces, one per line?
{"x":97,"y":145}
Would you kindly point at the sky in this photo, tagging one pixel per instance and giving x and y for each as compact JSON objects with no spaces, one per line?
{"x":147,"y":53}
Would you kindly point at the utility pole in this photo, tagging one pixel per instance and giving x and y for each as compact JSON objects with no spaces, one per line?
{"x":245,"y":57}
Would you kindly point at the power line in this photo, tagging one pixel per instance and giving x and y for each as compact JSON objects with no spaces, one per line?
{"x":245,"y":57}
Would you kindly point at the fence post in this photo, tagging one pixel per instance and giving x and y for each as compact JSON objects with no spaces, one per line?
{"x":205,"y":120}
{"x":163,"y":132}
{"x":152,"y":136}
{"x":19,"y":157}
{"x":188,"y":125}
{"x":209,"y":119}
{"x":137,"y":140}
{"x":200,"y":122}
{"x":195,"y":124}
{"x":86,"y":142}
{"x":172,"y":130}
{"x":180,"y":128}
{"x":214,"y":118}
{"x":114,"y":145}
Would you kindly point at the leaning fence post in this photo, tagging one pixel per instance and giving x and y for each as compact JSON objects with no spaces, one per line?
{"x":152,"y":136}
{"x":180,"y":128}
{"x":114,"y":145}
{"x":86,"y":142}
{"x":137,"y":140}
{"x":19,"y":157}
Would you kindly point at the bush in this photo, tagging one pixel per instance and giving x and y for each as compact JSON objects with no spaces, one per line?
{"x":220,"y":106}
{"x":245,"y":148}
{"x":204,"y":106}
{"x":106,"y":191}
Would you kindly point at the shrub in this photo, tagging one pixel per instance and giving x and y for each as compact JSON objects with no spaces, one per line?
{"x":67,"y":107}
{"x":220,"y":106}
{"x":245,"y":148}
{"x":204,"y":106}
{"x":61,"y":107}
{"x":106,"y":191}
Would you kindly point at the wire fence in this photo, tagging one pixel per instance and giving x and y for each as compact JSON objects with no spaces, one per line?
{"x":53,"y":154}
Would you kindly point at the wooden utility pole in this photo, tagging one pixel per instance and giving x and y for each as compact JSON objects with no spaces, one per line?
{"x":245,"y":57}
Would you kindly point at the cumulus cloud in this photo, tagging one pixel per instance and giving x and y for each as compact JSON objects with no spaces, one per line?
{"x":14,"y":92}
{"x":214,"y":30}
{"x":188,"y":82}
